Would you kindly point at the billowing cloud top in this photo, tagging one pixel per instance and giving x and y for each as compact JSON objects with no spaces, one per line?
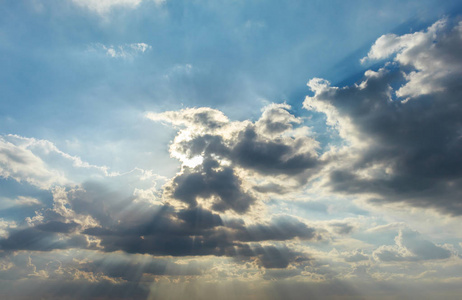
{"x":404,"y":142}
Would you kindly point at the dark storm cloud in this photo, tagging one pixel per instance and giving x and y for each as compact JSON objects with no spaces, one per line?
{"x":413,"y":147}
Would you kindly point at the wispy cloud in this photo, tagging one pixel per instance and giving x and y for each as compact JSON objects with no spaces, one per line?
{"x":104,"y":6}
{"x":126,"y":51}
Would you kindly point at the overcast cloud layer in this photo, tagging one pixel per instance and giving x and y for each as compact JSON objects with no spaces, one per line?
{"x":137,"y":162}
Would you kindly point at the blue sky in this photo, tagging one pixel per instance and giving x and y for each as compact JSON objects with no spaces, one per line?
{"x":218,"y":54}
{"x":125,"y":124}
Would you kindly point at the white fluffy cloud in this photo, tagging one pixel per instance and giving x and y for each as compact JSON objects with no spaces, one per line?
{"x":40,"y":163}
{"x":18,"y":161}
{"x":432,"y":55}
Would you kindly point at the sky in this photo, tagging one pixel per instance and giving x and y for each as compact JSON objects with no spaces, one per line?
{"x":230,"y":149}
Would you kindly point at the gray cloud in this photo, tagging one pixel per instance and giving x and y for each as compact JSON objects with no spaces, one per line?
{"x":342,"y":228}
{"x":269,"y":147}
{"x":356,"y":257}
{"x":411,"y":246}
{"x":402,"y":149}
{"x":200,"y":232}
{"x":101,"y":216}
{"x":133,"y":271}
{"x":42,"y":239}
{"x":270,"y":257}
{"x":205,"y":181}
{"x":271,"y":157}
{"x":280,"y":229}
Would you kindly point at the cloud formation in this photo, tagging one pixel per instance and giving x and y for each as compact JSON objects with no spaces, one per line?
{"x":403,"y":143}
{"x":411,"y":246}
{"x":126,"y":51}
{"x":41,"y":163}
{"x":104,"y":6}
{"x":256,"y":204}
{"x":219,"y":156}
{"x":104,"y":217}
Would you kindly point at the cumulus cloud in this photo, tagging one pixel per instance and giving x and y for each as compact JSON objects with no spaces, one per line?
{"x":396,"y":148}
{"x":432,"y":55}
{"x":219,"y":155}
{"x":124,"y":212}
{"x":411,"y":246}
{"x":109,"y":218}
{"x":42,"y":164}
{"x":164,"y":230}
{"x":18,"y":161}
{"x":357,"y":256}
{"x":401,"y":134}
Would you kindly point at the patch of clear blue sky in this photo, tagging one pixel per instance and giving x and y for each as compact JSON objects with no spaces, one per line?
{"x":241,"y":53}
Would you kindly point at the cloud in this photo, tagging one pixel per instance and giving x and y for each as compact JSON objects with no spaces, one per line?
{"x":223,"y":186}
{"x":217,"y":154}
{"x":432,"y":55}
{"x":18,"y":161}
{"x":107,"y":217}
{"x":280,"y":229}
{"x":41,"y":163}
{"x":341,"y":227}
{"x":104,"y":6}
{"x":164,"y":230}
{"x":356,"y":257}
{"x":395,"y":148}
{"x":41,"y":239}
{"x":127,"y":51}
{"x":411,"y":246}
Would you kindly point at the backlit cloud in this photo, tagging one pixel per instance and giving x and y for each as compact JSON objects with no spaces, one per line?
{"x":174,"y":157}
{"x":401,"y":149}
